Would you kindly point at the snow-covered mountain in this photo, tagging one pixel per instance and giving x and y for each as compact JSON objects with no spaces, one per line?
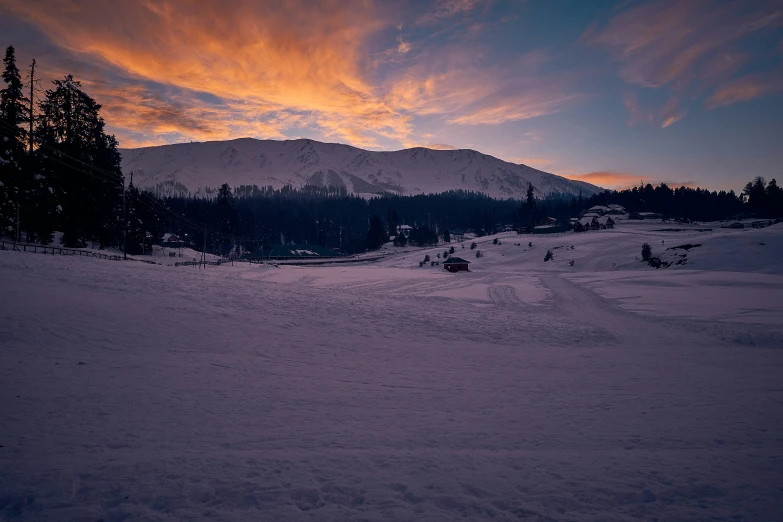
{"x":197,"y":168}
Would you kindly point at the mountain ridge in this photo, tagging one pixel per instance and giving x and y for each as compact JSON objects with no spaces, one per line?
{"x":198,"y":168}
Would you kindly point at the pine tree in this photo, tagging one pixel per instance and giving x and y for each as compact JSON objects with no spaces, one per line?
{"x":14,"y":187}
{"x":226,"y":215}
{"x":376,"y":234}
{"x":530,"y":198}
{"x":83,"y":166}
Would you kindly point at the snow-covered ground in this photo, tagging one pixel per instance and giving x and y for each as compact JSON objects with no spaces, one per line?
{"x":523,"y":390}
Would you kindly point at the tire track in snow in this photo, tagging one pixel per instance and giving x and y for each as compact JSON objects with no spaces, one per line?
{"x":503,"y":296}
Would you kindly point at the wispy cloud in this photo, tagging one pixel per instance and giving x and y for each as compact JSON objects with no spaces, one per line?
{"x":636,"y":114}
{"x":465,"y":92}
{"x":687,"y":46}
{"x":746,"y":88}
{"x":434,"y":146}
{"x":447,"y":9}
{"x":672,"y":113}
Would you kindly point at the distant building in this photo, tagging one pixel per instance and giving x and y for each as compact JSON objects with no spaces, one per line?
{"x":172,"y":241}
{"x":293,"y":252}
{"x":457,"y":234}
{"x":583,"y":224}
{"x":456,"y":264}
{"x":404,"y":230}
{"x":606,"y":222}
{"x":646,"y":215}
{"x":553,"y":228}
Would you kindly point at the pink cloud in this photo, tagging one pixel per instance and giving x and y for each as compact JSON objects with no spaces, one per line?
{"x":746,"y":88}
{"x":687,"y":46}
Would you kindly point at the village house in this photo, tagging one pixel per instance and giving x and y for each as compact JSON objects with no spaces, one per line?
{"x":172,"y":241}
{"x":404,"y":230}
{"x":456,"y":264}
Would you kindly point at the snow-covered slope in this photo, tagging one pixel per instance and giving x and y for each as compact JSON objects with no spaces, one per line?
{"x":198,"y":167}
{"x":521,"y":390}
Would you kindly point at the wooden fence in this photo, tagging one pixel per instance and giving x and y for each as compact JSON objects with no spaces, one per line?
{"x":43,"y":249}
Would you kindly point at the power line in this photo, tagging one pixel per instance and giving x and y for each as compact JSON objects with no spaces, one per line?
{"x":111,"y":177}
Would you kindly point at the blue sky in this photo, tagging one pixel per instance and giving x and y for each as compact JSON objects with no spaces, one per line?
{"x":612,"y":92}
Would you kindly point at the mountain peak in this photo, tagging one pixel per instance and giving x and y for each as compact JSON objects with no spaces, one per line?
{"x":200,"y":167}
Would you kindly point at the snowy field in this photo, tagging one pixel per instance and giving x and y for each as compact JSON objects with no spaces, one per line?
{"x":523,"y":390}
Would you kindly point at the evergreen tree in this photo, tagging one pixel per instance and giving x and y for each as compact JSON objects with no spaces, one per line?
{"x":376,"y":233}
{"x":134,"y":242}
{"x":446,"y":236}
{"x":84,"y":166}
{"x":530,"y":199}
{"x":400,"y":240}
{"x":14,"y":186}
{"x":226,"y":216}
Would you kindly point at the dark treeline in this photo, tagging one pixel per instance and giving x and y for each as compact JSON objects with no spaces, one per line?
{"x":60,"y":171}
{"x":352,"y":224}
{"x":338,"y":221}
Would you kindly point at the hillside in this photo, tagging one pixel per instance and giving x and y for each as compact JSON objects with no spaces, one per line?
{"x":197,"y":168}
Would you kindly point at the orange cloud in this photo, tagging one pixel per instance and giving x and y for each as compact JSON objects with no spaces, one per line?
{"x":622,"y":180}
{"x":434,"y":146}
{"x":671,"y":112}
{"x":262,"y":57}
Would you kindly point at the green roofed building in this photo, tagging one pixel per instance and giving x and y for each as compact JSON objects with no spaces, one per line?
{"x":294,"y":252}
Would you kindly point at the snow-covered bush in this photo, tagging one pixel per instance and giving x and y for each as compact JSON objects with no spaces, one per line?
{"x":549,"y":255}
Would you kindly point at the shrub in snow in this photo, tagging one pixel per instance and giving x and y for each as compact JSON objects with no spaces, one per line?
{"x":548,"y":255}
{"x":530,"y":244}
{"x":571,"y":263}
{"x":646,"y":252}
{"x":473,"y":245}
{"x":451,"y":250}
{"x":495,"y":241}
{"x":478,"y":253}
{"x":427,"y":258}
{"x":432,"y":264}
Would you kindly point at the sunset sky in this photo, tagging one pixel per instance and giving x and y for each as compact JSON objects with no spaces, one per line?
{"x":611,"y":92}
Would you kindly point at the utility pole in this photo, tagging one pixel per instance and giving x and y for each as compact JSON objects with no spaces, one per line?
{"x":204,"y":252}
{"x":124,"y":224}
{"x":32,"y":102}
